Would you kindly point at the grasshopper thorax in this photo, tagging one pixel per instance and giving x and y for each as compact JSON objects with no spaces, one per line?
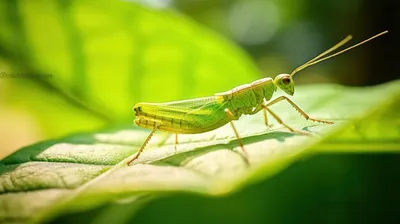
{"x":285,"y":83}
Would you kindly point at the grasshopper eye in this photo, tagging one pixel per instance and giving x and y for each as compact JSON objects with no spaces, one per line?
{"x":286,"y":81}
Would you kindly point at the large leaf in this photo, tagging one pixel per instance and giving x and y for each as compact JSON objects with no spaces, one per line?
{"x":104,"y":56}
{"x":86,"y":170}
{"x":111,"y":54}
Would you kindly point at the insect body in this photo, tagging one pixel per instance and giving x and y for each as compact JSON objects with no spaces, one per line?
{"x":208,"y":113}
{"x":205,"y":114}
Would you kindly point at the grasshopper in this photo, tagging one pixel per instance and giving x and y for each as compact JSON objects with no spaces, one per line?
{"x":208,"y":113}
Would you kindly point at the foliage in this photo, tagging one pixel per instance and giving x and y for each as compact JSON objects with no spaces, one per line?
{"x":109,"y":56}
{"x":84,"y":171}
{"x":105,"y":56}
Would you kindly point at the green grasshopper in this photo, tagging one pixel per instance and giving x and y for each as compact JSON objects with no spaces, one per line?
{"x":205,"y":114}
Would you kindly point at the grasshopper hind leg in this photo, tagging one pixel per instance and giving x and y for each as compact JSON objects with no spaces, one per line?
{"x":143,"y":146}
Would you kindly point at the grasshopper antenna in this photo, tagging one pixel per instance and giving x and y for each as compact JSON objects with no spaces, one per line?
{"x":341,"y":43}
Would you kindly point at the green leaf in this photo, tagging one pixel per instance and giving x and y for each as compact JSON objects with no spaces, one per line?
{"x":113,"y":54}
{"x":104,"y":57}
{"x":86,"y":170}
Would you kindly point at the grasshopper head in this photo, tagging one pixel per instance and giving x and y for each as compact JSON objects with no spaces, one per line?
{"x":285,"y":83}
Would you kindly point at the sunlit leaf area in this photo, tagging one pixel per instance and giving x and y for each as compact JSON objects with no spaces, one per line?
{"x":71,"y":73}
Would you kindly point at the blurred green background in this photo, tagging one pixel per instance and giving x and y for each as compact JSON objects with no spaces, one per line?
{"x":105,"y":56}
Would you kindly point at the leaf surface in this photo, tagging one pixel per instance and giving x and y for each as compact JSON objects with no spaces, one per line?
{"x":82,"y":171}
{"x":102,"y":58}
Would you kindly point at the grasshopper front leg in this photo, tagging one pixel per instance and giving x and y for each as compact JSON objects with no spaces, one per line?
{"x":279,"y":120}
{"x":176,"y":142}
{"x":306,"y":116}
{"x":261,"y":107}
{"x":266,"y":118}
